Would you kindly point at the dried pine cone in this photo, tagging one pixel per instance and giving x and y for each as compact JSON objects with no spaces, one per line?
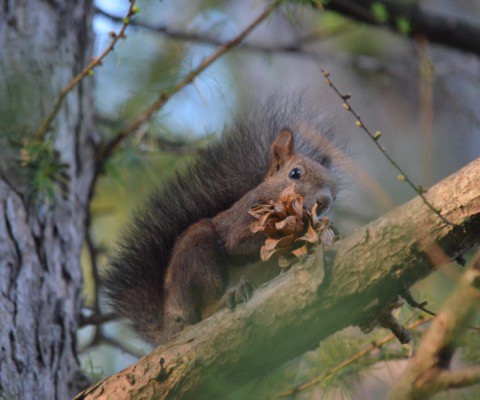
{"x":291,"y":230}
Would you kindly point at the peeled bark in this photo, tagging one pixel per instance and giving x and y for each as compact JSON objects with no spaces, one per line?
{"x":47,"y":43}
{"x":298,"y":309}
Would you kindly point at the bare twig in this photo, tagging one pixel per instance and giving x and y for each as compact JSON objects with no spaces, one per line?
{"x":97,"y":319}
{"x":46,"y":123}
{"x":165,"y":96}
{"x":100,"y":338}
{"x":375,"y":138}
{"x":195,"y":37}
{"x":155,"y":143}
{"x":122,"y":346}
{"x":408,"y":297}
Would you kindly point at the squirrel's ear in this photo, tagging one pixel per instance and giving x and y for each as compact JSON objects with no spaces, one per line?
{"x":281,"y":151}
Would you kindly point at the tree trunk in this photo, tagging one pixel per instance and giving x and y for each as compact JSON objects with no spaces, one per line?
{"x":40,"y":242}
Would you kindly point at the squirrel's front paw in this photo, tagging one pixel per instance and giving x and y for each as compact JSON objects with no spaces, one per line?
{"x":239,"y":294}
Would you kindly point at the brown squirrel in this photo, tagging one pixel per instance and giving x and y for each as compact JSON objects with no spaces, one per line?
{"x":179,"y":254}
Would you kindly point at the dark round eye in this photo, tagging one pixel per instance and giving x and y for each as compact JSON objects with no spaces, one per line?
{"x":295,"y":173}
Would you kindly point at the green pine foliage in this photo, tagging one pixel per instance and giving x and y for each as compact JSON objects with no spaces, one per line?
{"x":36,"y":165}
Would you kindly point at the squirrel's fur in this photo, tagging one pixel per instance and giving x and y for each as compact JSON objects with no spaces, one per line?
{"x":215,"y":181}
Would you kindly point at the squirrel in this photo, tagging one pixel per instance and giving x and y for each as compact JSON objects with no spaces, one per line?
{"x":179,"y":254}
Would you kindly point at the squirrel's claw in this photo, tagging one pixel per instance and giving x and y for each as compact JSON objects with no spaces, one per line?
{"x":239,"y":294}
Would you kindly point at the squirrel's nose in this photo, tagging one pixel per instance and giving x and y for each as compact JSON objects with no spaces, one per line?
{"x":324,"y":202}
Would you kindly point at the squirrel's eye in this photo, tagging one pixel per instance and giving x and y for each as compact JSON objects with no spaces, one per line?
{"x":295,"y":173}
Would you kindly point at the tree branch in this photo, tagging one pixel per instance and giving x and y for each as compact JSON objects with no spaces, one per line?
{"x":459,"y":379}
{"x":196,"y":37}
{"x":292,"y":313}
{"x":427,"y":373}
{"x":436,"y":28}
{"x":96,"y":318}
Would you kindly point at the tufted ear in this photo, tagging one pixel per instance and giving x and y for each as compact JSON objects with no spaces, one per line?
{"x":281,"y":151}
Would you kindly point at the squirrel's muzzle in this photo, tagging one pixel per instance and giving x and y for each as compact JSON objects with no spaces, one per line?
{"x":324,"y":201}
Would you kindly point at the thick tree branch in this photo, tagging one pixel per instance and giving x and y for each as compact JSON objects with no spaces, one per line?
{"x":436,"y":28}
{"x":428,"y":373}
{"x":295,"y":311}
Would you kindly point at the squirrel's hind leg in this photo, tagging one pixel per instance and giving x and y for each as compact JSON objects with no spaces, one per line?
{"x":195,"y":277}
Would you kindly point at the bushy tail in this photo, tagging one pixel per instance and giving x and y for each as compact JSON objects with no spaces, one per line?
{"x":216,"y":179}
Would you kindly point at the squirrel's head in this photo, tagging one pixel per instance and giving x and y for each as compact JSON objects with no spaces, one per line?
{"x":312,"y":180}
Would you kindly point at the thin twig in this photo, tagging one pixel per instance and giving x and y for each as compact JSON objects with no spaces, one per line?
{"x":408,"y":297}
{"x":165,"y":96}
{"x":100,"y":338}
{"x":177,"y":34}
{"x":375,"y":138}
{"x":46,"y":123}
{"x":156,"y":143}
{"x":122,"y":346}
{"x":97,"y":319}
{"x":349,"y":361}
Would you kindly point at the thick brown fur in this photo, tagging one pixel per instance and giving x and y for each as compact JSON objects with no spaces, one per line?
{"x":178,"y":254}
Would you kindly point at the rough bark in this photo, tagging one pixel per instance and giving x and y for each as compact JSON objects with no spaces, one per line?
{"x":292,"y":313}
{"x":40,"y":243}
